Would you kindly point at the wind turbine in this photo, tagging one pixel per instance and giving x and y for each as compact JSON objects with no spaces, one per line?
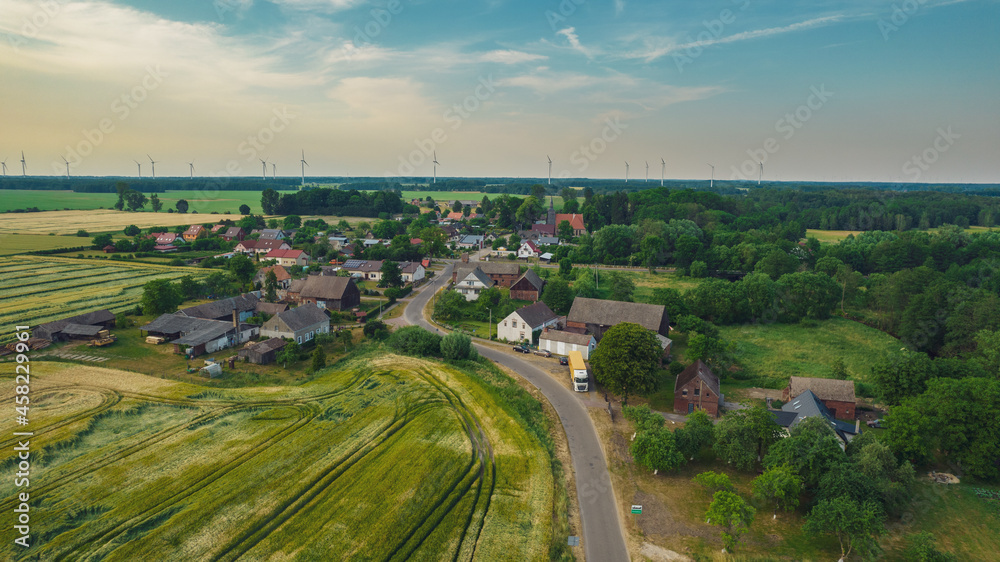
{"x":24,"y":169}
{"x":626,"y":171}
{"x":274,"y":171}
{"x":263,"y":168}
{"x":4,"y":164}
{"x":304,"y":164}
{"x":647,"y":172}
{"x":152,"y":164}
{"x":191,"y":168}
{"x":712,"y":184}
{"x":550,"y":169}
{"x":138,"y":165}
{"x":435,"y":166}
{"x":663,"y":170}
{"x":760,"y":176}
{"x":67,"y":165}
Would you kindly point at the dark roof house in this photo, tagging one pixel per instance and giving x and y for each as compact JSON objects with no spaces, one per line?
{"x":598,"y":315}
{"x":245,"y":305}
{"x":697,"y":388}
{"x":808,"y":405}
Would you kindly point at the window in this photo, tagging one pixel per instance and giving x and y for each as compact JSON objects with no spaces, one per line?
{"x":697,"y":392}
{"x":300,"y":339}
{"x":515,"y":324}
{"x":684,"y":392}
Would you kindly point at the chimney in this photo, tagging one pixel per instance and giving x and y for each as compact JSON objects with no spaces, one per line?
{"x":857,"y":426}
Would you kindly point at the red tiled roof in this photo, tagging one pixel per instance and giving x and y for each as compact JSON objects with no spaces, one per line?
{"x":289,"y":254}
{"x":575,"y":220}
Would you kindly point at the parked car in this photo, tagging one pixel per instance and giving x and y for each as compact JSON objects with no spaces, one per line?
{"x":520,"y":349}
{"x":564,"y":360}
{"x":875,"y":423}
{"x":543,"y":353}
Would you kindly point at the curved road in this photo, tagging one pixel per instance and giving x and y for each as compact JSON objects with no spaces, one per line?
{"x":602,"y":537}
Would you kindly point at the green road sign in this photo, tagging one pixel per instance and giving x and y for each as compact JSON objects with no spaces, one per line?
{"x":637,"y":509}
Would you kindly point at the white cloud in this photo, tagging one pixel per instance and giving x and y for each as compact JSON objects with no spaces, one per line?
{"x":574,"y":40}
{"x":510,"y":57}
{"x":656,"y":47}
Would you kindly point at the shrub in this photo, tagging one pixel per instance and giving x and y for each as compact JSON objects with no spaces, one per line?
{"x":457,"y":345}
{"x":82,"y":233}
{"x":414,"y":340}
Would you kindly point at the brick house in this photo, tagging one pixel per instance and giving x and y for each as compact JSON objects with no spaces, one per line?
{"x":331,"y":293}
{"x":528,"y":287}
{"x":697,"y":388}
{"x":837,"y":395}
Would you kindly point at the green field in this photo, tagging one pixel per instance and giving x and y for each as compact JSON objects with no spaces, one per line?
{"x":35,"y":289}
{"x":22,"y":243}
{"x":380,"y":458}
{"x":770,"y":353}
{"x":202,"y":201}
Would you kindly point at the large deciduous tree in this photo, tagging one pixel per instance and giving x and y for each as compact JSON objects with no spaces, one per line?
{"x":856,"y":525}
{"x":160,"y":296}
{"x":743,"y":437}
{"x":626,"y":360}
{"x":733,"y":514}
{"x":778,"y":486}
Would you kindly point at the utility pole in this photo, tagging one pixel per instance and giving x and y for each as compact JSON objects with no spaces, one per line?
{"x":490,"y":331}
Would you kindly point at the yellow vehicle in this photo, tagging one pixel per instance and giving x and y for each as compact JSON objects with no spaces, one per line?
{"x":578,"y":371}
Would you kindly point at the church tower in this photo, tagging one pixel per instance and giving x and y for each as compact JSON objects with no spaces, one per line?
{"x":551,"y":218}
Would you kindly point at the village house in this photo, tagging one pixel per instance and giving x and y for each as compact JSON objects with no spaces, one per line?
{"x":471,"y":242}
{"x":294,"y":290}
{"x":261,"y":246}
{"x":330,"y":293}
{"x":809,"y":405}
{"x":595,"y":316}
{"x":474,"y":283}
{"x":244,"y":306}
{"x":561,"y":343}
{"x":288,"y":258}
{"x":522,"y":323}
{"x":82,"y":326}
{"x":300,"y":324}
{"x":234,"y":233}
{"x":166,"y":238}
{"x":528,"y":250}
{"x":364,"y":269}
{"x":503,"y":274}
{"x":193,"y":336}
{"x":216,"y":228}
{"x":697,"y":388}
{"x":262,"y":353}
{"x":837,"y":395}
{"x":270,"y":308}
{"x":412,"y":272}
{"x":271,"y":234}
{"x":194,"y":232}
{"x":528,"y":287}
{"x":280,"y":273}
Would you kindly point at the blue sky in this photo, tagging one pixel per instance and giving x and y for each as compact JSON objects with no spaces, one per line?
{"x":827,"y":90}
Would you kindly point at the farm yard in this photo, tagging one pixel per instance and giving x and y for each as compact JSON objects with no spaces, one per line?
{"x":379,"y":457}
{"x":35,"y":289}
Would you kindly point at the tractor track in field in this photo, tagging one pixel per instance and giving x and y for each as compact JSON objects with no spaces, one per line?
{"x":248,"y":539}
{"x":307,"y":413}
{"x":480,"y":447}
{"x":109,"y":399}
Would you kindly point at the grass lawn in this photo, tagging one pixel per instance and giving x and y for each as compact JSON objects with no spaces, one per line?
{"x":830,"y":236}
{"x":646,"y":282}
{"x":770,"y":353}
{"x":11,"y":244}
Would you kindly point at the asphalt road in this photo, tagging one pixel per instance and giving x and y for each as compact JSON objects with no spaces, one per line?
{"x":602,"y":537}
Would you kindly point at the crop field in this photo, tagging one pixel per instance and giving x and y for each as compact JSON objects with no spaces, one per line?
{"x":203,"y":201}
{"x":36,"y":289}
{"x":22,"y":243}
{"x":379,"y":458}
{"x":69,"y":222}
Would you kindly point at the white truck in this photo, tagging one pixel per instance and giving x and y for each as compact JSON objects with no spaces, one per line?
{"x":578,"y":371}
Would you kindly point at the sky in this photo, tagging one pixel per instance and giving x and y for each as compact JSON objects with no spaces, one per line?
{"x":820,"y":90}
